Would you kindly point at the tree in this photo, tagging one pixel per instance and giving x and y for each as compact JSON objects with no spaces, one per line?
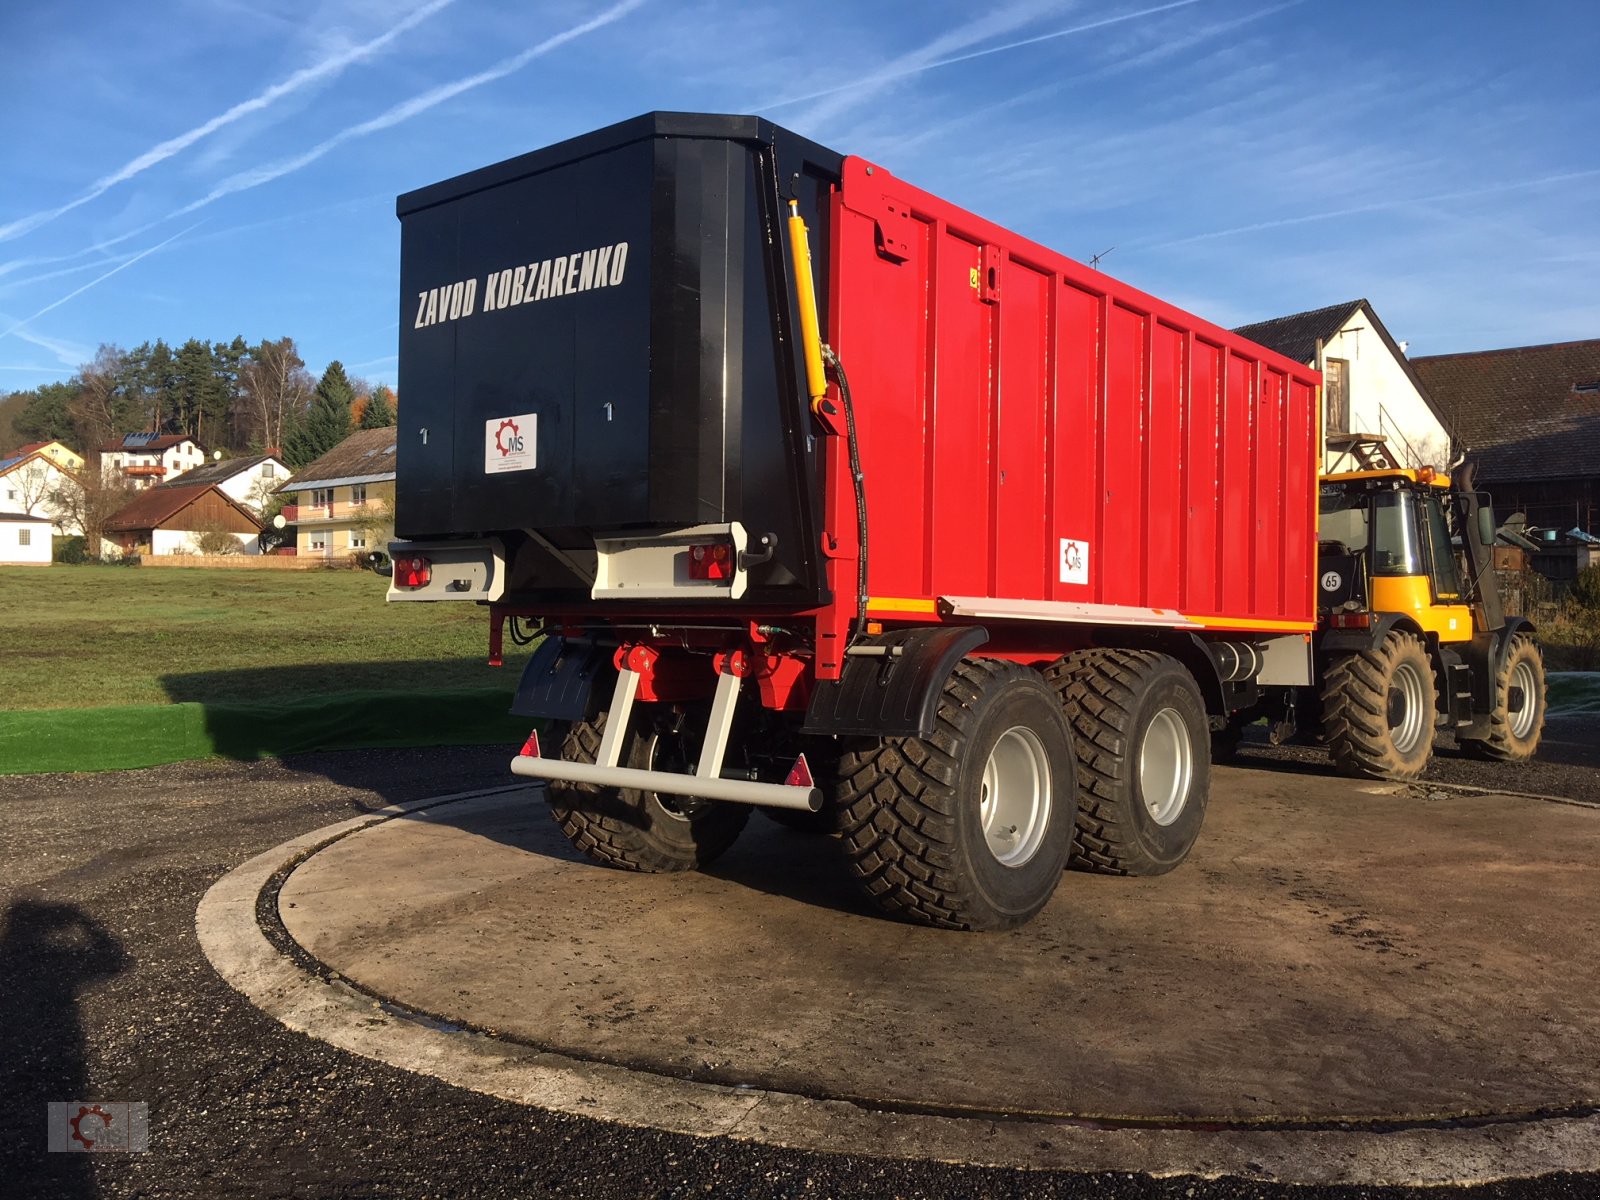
{"x":379,"y":412}
{"x":275,"y":387}
{"x":101,"y":409}
{"x":200,"y":398}
{"x":46,"y":414}
{"x":327,"y":421}
{"x":88,"y":502}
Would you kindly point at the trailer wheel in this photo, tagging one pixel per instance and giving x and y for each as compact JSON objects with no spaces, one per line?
{"x":968,"y":828}
{"x":636,"y":830}
{"x":1144,"y":765}
{"x":1514,"y":736}
{"x":1378,"y":709}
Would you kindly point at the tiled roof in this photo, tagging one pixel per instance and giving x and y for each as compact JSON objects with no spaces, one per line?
{"x":1296,"y":336}
{"x":1519,"y":410}
{"x":11,"y":516}
{"x":218,"y":472}
{"x":131,"y":443}
{"x":153,"y":506}
{"x":365,"y":456}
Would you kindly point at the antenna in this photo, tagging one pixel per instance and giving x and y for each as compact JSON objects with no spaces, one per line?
{"x":1095,"y":261}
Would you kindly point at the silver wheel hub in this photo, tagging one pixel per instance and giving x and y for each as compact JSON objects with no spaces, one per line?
{"x":1522,"y":720}
{"x":1408,"y":710}
{"x":1166,"y":766}
{"x":1014,"y":797}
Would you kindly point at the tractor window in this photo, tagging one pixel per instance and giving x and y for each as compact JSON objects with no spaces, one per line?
{"x":1342,"y":523}
{"x":1395,"y":548}
{"x":1441,"y":554}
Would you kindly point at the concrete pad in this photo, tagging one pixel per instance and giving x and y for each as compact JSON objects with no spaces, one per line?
{"x":1335,"y":979}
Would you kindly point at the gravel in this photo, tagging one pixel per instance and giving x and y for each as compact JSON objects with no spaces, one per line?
{"x":104,"y":994}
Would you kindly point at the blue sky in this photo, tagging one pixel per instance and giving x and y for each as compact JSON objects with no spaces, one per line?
{"x":183,"y":168}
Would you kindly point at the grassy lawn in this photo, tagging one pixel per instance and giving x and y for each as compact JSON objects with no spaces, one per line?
{"x":86,"y":637}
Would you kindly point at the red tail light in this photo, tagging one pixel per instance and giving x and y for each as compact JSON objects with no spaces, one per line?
{"x":1350,"y":620}
{"x":711,"y":560}
{"x":412,"y":571}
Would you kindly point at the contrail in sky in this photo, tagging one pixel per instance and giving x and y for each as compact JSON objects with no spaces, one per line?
{"x":1378,"y":206}
{"x":123,"y":266}
{"x":409,"y":108}
{"x":325,"y":69}
{"x":892,"y":73}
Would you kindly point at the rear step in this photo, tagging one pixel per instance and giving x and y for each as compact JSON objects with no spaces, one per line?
{"x":706,"y":783}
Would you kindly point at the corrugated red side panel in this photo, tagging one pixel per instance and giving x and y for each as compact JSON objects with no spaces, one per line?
{"x":1010,"y":399}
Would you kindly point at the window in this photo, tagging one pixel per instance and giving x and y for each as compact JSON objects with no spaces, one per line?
{"x":319,"y":541}
{"x":269,"y":471}
{"x":1394,"y":535}
{"x":1441,"y":554}
{"x":358,"y":541}
{"x":1336,"y":393}
{"x":358,"y":493}
{"x":24,"y":537}
{"x":11,"y":493}
{"x":321,"y":496}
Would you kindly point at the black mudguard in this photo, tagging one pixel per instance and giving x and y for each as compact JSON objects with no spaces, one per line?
{"x":559,"y":679}
{"x":894,"y":694}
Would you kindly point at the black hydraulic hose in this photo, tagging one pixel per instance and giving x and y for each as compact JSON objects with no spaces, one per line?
{"x":859,"y":482}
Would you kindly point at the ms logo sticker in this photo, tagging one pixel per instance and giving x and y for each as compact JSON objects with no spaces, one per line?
{"x":1074,"y":561}
{"x":510,"y":443}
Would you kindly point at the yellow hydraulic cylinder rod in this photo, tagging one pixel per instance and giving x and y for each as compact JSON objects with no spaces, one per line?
{"x":805,"y":290}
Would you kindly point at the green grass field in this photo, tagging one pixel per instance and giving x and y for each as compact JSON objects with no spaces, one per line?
{"x":90,"y":637}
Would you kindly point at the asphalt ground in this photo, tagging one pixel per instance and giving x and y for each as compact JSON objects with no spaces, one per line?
{"x":105,"y":995}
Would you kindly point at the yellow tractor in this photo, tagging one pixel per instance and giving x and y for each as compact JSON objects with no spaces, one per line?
{"x":1412,"y":638}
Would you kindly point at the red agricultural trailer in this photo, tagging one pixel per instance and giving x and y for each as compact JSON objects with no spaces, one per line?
{"x":971,"y":595}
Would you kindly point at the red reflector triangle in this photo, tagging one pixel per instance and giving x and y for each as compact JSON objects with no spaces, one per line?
{"x":800,"y":774}
{"x":530,"y":748}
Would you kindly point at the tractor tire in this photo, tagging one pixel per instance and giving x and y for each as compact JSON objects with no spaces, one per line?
{"x":968,"y":828}
{"x":636,"y":830}
{"x":1379,"y":709}
{"x":1514,"y":736}
{"x":1144,"y":766}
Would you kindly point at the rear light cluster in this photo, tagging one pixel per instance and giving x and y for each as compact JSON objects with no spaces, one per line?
{"x":711,"y":560}
{"x":1350,"y":620}
{"x":412,"y":571}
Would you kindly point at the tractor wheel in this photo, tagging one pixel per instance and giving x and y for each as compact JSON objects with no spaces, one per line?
{"x":637,"y":830}
{"x":1514,"y":736}
{"x":1378,"y":709}
{"x":1144,"y":766}
{"x":968,"y":828}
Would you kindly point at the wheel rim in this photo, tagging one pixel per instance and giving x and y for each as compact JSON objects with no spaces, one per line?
{"x":1522,"y":720}
{"x":1014,"y":803}
{"x":1407,"y":721}
{"x":1166,"y":766}
{"x":665,"y":752}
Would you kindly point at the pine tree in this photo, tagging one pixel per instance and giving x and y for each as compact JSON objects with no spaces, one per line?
{"x":379,"y":413}
{"x":327,"y":421}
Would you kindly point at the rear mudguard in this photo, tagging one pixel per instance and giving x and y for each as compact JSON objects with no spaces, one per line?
{"x":892,"y":682}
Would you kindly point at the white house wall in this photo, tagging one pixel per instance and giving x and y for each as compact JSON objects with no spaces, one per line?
{"x":14,"y":553}
{"x":26,"y":489}
{"x":182,"y":541}
{"x":247,"y":487}
{"x":1384,"y":400}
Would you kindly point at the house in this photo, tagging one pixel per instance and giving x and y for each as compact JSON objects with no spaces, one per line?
{"x":1369,"y":388}
{"x":57,"y":452}
{"x":344,"y":501}
{"x":250,"y":481}
{"x":24,"y":540}
{"x":1530,"y":416}
{"x":29,"y":483}
{"x":173,"y":519}
{"x":146,"y":459}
